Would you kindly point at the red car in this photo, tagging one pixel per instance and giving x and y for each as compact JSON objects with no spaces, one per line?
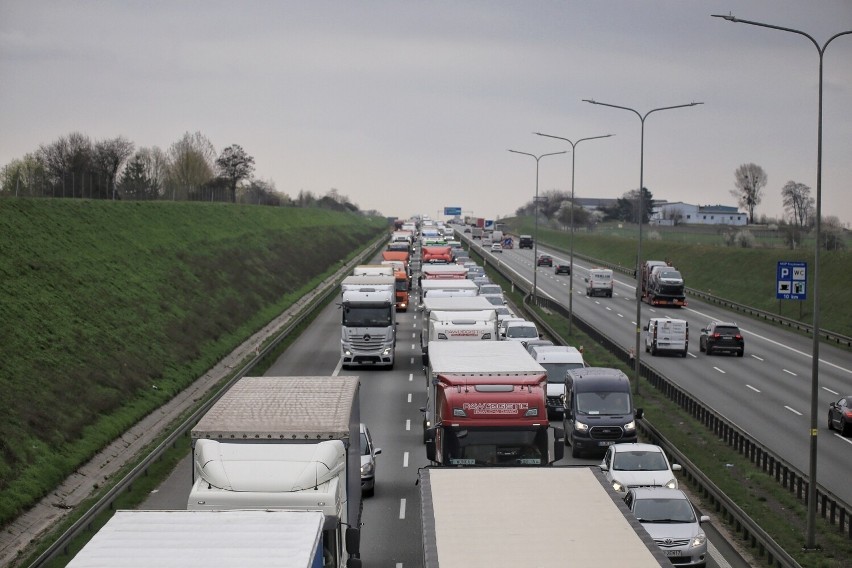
{"x":544,"y":260}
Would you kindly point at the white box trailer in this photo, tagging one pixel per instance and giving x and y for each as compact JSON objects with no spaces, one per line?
{"x":479,"y":325}
{"x":447,"y":304}
{"x":212,"y":539}
{"x":512,"y":517}
{"x":287,"y":443}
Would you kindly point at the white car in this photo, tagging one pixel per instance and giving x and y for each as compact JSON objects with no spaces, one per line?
{"x":670,"y":519}
{"x":522,"y":330}
{"x":368,"y":462}
{"x":496,"y":247}
{"x":638,"y":465}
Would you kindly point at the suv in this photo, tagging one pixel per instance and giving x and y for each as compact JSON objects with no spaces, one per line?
{"x":525,"y":241}
{"x":721,"y":336}
{"x":544,"y":260}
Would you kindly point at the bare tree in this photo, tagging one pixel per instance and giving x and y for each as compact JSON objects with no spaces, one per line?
{"x":68,"y":164}
{"x":235,"y":165}
{"x":190,"y":163}
{"x":798,"y":201}
{"x":109,"y":156}
{"x":749,"y":180}
{"x":156,"y":168}
{"x":21,"y":177}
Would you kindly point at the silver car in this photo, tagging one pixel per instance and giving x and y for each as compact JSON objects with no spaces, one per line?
{"x":670,"y":519}
{"x":368,"y":462}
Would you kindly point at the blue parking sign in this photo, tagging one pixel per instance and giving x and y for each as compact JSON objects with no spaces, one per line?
{"x":791,"y":280}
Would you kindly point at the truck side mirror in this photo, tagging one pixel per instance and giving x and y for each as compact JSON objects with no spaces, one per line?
{"x":640,"y":413}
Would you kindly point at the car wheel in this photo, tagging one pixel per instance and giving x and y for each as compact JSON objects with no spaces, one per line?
{"x":830,"y":424}
{"x":700,"y":347}
{"x":741,"y":352}
{"x":653,"y":349}
{"x":575,"y":453}
{"x":609,"y":294}
{"x":845,"y":429}
{"x":370,"y":492}
{"x":707,"y":350}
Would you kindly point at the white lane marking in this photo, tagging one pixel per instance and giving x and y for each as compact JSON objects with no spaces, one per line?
{"x":338,"y":367}
{"x":412,"y":335}
{"x":752,"y":388}
{"x":405,"y":459}
{"x":608,"y":309}
{"x":409,"y":397}
{"x":411,"y":375}
{"x":717,"y":556}
{"x":399,"y":565}
{"x":758,"y":358}
{"x":408,"y":425}
{"x":793,"y":410}
{"x":835,"y":393}
{"x":847,"y":440}
{"x":402,"y":508}
{"x":790,"y":372}
{"x":693,"y":355}
{"x":720,"y":370}
{"x":787,"y":347}
{"x":412,"y":347}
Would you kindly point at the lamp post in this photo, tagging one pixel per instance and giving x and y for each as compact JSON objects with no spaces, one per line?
{"x":535,"y":237}
{"x":811,"y":522}
{"x":571,"y":254}
{"x":642,"y":118}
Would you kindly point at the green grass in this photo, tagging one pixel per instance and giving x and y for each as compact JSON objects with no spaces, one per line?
{"x":100,"y":302}
{"x":743,"y":275}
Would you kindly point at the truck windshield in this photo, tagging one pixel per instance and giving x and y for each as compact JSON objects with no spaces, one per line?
{"x":495,"y":447}
{"x":556,"y":371}
{"x":401,"y":285}
{"x":603,"y":402}
{"x":357,"y":316}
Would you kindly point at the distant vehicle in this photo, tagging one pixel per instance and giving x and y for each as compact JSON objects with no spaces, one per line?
{"x":599,"y":281}
{"x":558,"y":360}
{"x":562,"y":268}
{"x":840,"y":416}
{"x":525,"y":241}
{"x":508,"y":243}
{"x":638,"y":465}
{"x":520,"y":331}
{"x":544,"y":260}
{"x":496,"y":247}
{"x":670,"y":519}
{"x":466,"y":230}
{"x":368,"y":461}
{"x":721,"y":336}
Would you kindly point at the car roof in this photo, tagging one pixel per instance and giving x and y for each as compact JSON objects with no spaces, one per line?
{"x":658,"y":493}
{"x":637,"y":447}
{"x":725,"y":323}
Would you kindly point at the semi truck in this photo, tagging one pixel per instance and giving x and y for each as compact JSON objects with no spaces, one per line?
{"x":446,"y":304}
{"x":485,"y":405}
{"x":662,"y":284}
{"x":512,"y":517}
{"x":479,"y":325}
{"x":436,"y":254}
{"x":220,"y":539}
{"x":290,"y":443}
{"x":368,"y":323}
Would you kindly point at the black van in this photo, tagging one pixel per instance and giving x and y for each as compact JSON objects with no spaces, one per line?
{"x":599,"y":410}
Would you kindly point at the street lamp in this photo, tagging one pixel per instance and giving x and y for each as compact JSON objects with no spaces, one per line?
{"x":641,"y":218}
{"x":811,"y":528}
{"x":535,"y":237}
{"x":571,"y":257}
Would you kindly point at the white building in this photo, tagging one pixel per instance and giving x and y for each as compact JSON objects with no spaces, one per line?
{"x":671,"y":213}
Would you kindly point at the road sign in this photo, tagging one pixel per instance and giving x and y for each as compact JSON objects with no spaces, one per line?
{"x":452,"y":211}
{"x":791,"y":280}
{"x":489,"y":225}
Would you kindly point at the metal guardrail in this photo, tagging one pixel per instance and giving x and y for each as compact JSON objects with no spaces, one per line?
{"x":105,"y":503}
{"x":832,"y":509}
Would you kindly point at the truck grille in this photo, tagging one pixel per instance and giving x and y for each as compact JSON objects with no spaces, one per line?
{"x":367,"y":341}
{"x":605,"y":432}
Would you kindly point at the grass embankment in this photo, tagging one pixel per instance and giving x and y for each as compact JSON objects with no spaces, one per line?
{"x":109,"y":309}
{"x":773,"y":508}
{"x":743,"y":275}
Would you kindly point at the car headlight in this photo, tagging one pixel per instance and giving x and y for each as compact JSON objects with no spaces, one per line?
{"x":581,"y":427}
{"x":630,"y":426}
{"x":672,"y":483}
{"x":367,"y":468}
{"x":698,"y":540}
{"x":618,"y":486}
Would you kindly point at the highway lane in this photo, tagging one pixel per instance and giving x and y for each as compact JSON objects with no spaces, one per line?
{"x":766,"y":392}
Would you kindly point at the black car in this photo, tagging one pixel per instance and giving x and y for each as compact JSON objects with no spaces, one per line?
{"x":840,"y":416}
{"x":544,"y":260}
{"x":560,"y":268}
{"x":721,"y":336}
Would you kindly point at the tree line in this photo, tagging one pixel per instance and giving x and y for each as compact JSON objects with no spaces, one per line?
{"x":75,"y":166}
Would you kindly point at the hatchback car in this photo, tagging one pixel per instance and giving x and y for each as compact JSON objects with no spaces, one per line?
{"x":721,"y":336}
{"x":670,"y":519}
{"x":561,"y":268}
{"x":544,"y":260}
{"x":638,"y":465}
{"x":840,"y":416}
{"x":368,"y":461}
{"x":496,"y":247}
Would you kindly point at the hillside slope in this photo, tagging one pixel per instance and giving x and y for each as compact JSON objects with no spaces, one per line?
{"x":108,"y":309}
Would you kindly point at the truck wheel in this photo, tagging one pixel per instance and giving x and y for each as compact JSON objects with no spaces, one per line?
{"x":654,"y":349}
{"x":684,"y":352}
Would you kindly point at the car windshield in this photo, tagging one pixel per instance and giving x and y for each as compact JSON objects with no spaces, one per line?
{"x":495,"y":300}
{"x":603,"y":402}
{"x":556,"y":371}
{"x":663,"y":510}
{"x":639,"y":461}
{"x":365,"y":447}
{"x":726,"y":330}
{"x":490,"y":289}
{"x":673,"y":274}
{"x":521,"y":331}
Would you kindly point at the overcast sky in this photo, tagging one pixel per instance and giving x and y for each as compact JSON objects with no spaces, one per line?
{"x":407,"y":107}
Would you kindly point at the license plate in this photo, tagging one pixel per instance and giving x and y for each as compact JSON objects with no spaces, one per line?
{"x":672,"y":552}
{"x":607,"y":443}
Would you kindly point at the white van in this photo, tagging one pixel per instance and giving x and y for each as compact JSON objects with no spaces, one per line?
{"x":558,"y":360}
{"x":664,"y":334}
{"x":599,"y":281}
